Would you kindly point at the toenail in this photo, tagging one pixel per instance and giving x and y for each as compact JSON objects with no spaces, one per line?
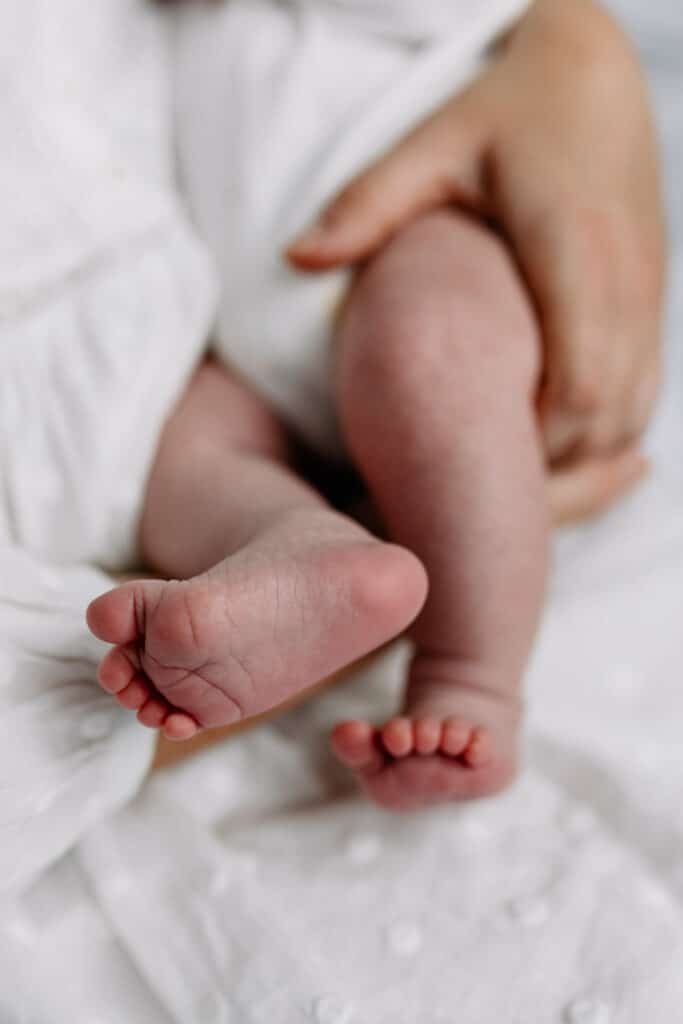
{"x":529,"y":911}
{"x":405,"y":939}
{"x":587,"y":1011}
{"x":363,"y":849}
{"x":331,"y":1010}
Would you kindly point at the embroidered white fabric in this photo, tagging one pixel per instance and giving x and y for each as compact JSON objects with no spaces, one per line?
{"x":253,"y":885}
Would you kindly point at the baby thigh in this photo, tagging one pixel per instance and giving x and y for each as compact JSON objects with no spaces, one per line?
{"x":438,"y":358}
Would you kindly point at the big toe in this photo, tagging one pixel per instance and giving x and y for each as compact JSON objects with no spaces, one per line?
{"x":118,"y":616}
{"x":355,"y":746}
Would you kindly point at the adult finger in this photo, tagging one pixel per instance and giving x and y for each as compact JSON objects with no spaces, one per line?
{"x":439,"y":163}
{"x":564,"y":253}
{"x":593,"y":485}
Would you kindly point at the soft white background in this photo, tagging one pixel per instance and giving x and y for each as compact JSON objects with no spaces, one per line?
{"x":658,"y":29}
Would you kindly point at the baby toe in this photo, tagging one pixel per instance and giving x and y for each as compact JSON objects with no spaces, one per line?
{"x":352,"y":742}
{"x":398,"y":737}
{"x":457,"y":733}
{"x":134,"y":695}
{"x":179,"y":726}
{"x":116,"y":671}
{"x":355,"y":745}
{"x":480,"y":749}
{"x":153,"y":713}
{"x":427,"y":735}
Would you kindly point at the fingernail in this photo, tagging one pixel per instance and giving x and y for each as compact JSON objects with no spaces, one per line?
{"x":313,"y":237}
{"x":317,"y":233}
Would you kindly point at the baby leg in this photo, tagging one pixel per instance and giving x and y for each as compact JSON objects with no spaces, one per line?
{"x":279,"y":590}
{"x":438,"y":364}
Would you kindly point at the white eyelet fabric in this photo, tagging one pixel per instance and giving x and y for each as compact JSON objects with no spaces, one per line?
{"x":253,"y":884}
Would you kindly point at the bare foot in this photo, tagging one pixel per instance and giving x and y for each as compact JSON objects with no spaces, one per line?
{"x":291,"y":608}
{"x":455,"y":741}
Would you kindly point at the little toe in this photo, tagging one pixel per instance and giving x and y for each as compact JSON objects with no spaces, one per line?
{"x":116,"y":671}
{"x":398,"y":737}
{"x":456,"y":735}
{"x":427,"y":735}
{"x":355,"y":745}
{"x":153,"y":713}
{"x":134,"y":695}
{"x":179,"y":726}
{"x":480,"y":749}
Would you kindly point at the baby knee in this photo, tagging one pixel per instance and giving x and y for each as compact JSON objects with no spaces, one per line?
{"x":409,"y":348}
{"x":446,"y":290}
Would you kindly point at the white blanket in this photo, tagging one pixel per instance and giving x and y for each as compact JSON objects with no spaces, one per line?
{"x":253,"y":885}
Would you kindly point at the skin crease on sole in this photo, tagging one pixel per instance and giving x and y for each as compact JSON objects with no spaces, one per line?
{"x":191,"y":654}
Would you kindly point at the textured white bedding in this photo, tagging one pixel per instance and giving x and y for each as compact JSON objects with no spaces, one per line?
{"x":252,"y":885}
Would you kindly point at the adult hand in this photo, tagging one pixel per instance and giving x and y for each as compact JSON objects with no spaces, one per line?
{"x":555,"y":144}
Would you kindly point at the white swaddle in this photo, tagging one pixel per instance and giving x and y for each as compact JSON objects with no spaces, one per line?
{"x":70,"y":755}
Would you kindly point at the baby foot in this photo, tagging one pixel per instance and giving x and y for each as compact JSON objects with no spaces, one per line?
{"x":261,"y":626}
{"x":453,"y":743}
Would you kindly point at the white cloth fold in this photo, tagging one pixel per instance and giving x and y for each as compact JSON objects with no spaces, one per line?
{"x":279,"y":106}
{"x":411,"y":22}
{"x":106,"y":296}
{"x":69,"y":755}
